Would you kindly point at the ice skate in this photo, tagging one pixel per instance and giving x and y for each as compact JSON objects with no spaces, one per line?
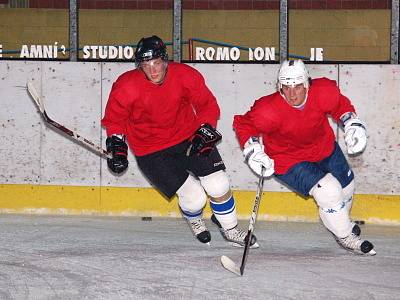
{"x":235,"y":236}
{"x":200,"y":230}
{"x":356,"y":229}
{"x":354,"y":244}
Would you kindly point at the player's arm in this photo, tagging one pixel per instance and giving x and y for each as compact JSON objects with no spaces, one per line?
{"x":343,"y":112}
{"x":202,"y":99}
{"x":248,"y":134}
{"x":117,"y":111}
{"x":115,"y":119}
{"x":207,"y":111}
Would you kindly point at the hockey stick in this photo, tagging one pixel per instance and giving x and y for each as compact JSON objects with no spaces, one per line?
{"x":228,"y":263}
{"x":38,"y":100}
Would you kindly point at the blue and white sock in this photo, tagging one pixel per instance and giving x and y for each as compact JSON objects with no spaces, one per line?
{"x":190,"y":215}
{"x":225,"y":212}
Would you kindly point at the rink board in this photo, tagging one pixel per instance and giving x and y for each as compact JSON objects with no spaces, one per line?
{"x":118,"y":201}
{"x":42,"y":170}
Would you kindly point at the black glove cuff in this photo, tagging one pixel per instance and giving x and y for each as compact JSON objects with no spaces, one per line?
{"x":116,"y":144}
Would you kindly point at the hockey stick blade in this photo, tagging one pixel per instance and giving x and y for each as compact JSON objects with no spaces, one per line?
{"x":230,"y":265}
{"x":32,"y":91}
{"x":89,"y":144}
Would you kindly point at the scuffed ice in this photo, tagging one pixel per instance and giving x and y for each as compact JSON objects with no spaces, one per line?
{"x":46,"y":257}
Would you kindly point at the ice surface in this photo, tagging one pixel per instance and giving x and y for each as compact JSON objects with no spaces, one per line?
{"x":57,"y":257}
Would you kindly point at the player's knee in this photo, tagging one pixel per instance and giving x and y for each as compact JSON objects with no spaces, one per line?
{"x":348,"y":190}
{"x":216,"y":184}
{"x":327,"y":192}
{"x":191,"y":195}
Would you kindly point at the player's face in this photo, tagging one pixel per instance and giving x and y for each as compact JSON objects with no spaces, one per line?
{"x":295,"y":95}
{"x":155,"y":70}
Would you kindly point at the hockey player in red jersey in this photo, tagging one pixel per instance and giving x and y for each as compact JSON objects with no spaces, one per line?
{"x":167,"y":115}
{"x":288,"y":133}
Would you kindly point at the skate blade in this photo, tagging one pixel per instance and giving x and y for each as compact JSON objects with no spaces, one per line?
{"x":372,"y":252}
{"x":208,"y":244}
{"x":254,"y":246}
{"x":230,"y":265}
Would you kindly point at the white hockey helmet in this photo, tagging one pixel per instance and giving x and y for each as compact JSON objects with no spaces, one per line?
{"x":293,"y":72}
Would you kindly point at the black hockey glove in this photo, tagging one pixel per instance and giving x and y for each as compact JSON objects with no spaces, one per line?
{"x":119,"y":150}
{"x":203,"y":140}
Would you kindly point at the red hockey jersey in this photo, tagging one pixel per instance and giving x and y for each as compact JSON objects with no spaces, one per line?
{"x":292,"y":135}
{"x":154,"y":117}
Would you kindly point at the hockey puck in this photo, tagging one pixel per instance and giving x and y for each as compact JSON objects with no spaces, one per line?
{"x":147,"y":219}
{"x":359,"y":222}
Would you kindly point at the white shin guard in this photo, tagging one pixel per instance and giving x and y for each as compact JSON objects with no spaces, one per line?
{"x":192,"y":198}
{"x":329,"y":196}
{"x":348,"y":192}
{"x":216,"y":186}
{"x":337,"y":222}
